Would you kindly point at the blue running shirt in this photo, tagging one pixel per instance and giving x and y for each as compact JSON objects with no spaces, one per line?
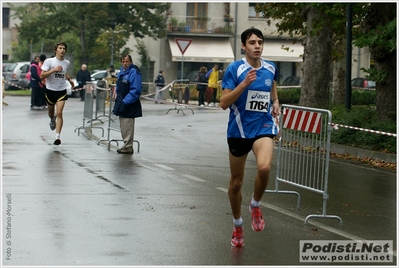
{"x":250,"y":115}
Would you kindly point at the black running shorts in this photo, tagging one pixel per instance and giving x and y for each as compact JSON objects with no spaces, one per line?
{"x":53,"y":96}
{"x":239,"y":146}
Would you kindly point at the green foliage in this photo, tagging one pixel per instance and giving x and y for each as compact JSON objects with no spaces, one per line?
{"x":289,"y":95}
{"x":142,"y":51}
{"x":359,"y":97}
{"x":87,"y":27}
{"x":363,"y":97}
{"x":364,"y":117}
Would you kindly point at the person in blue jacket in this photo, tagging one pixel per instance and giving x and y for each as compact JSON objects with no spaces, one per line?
{"x":127,"y":103}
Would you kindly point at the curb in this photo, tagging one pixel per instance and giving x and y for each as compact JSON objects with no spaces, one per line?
{"x":363,"y":153}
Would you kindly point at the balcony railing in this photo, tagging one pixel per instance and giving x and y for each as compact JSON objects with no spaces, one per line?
{"x":216,"y":25}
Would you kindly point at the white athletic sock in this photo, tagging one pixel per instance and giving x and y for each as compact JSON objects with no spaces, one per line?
{"x":57,"y":135}
{"x":237,"y":222}
{"x":254,"y":203}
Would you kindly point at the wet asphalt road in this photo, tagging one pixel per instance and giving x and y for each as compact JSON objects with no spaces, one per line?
{"x":79,"y":204}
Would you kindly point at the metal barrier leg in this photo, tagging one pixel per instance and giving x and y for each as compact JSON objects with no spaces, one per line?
{"x":324,"y":217}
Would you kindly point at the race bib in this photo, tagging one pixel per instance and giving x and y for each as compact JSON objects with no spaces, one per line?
{"x":258,"y":101}
{"x":60,"y":75}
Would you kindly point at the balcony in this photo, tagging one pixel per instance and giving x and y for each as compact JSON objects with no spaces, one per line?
{"x":200,"y":25}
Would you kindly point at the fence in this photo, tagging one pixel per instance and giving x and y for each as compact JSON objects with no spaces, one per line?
{"x":88,"y":110}
{"x":304,"y":153}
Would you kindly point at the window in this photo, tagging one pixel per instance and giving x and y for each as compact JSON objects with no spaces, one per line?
{"x":197,"y":18}
{"x":252,"y":13}
{"x":6,"y":17}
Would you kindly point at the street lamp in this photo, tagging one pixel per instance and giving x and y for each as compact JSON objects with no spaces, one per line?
{"x":112,"y":42}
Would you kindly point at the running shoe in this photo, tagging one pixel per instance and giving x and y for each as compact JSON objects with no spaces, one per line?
{"x":237,"y":239}
{"x":52,"y":123}
{"x":258,"y":223}
{"x":57,"y":142}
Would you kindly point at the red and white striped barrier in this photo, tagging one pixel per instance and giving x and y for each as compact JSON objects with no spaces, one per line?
{"x":302,"y":120}
{"x":335,"y":126}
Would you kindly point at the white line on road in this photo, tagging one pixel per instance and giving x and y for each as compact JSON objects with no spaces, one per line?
{"x":300,"y":218}
{"x":193,"y":178}
{"x":164,"y":167}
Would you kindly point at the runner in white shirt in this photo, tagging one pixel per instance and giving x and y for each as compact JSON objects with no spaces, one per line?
{"x":55,"y":71}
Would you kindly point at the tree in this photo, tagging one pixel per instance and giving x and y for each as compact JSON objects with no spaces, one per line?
{"x":314,"y":23}
{"x":87,"y":21}
{"x":377,"y":30}
{"x":379,"y":34}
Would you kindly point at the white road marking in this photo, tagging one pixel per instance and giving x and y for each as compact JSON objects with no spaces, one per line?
{"x":302,"y":219}
{"x":164,"y":167}
{"x":193,"y":178}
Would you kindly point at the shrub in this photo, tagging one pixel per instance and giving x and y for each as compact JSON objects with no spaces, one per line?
{"x":364,"y":117}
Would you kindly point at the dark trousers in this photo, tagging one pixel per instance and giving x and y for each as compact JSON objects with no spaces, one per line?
{"x":37,"y":96}
{"x":215,"y":91}
{"x":82,"y":91}
{"x":201,"y":97}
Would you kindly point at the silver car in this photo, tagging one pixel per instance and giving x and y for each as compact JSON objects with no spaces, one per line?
{"x":16,"y":74}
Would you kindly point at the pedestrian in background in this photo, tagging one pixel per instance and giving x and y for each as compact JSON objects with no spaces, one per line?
{"x":35,"y":85}
{"x":202,"y":85}
{"x":127,"y":103}
{"x":82,"y":77}
{"x":42,"y":90}
{"x":251,"y":125}
{"x":54,"y":70}
{"x":213,"y":78}
{"x":159,"y":84}
{"x":111,"y":72}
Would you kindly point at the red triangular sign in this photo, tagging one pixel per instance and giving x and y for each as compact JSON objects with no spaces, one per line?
{"x":183,"y":44}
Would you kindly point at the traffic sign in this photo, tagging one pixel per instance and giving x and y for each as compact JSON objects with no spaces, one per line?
{"x":183,"y":44}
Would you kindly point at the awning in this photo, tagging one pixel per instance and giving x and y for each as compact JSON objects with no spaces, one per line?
{"x":203,"y":50}
{"x":276,"y":51}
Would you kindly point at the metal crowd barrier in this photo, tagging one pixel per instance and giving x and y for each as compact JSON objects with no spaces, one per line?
{"x":177,"y":85}
{"x":304,"y":153}
{"x":113,"y":123}
{"x":102,"y":95}
{"x":88,"y":109}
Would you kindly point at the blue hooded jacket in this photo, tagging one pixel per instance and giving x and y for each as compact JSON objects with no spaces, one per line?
{"x":128,"y":92}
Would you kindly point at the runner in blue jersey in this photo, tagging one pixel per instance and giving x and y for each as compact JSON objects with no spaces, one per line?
{"x":249,"y":90}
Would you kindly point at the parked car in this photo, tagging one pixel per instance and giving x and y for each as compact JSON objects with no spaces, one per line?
{"x":292,"y":81}
{"x":15,"y":74}
{"x":99,"y":75}
{"x":6,"y":66}
{"x":362,"y":83}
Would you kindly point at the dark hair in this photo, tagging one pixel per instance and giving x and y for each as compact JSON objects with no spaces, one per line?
{"x":161,"y":71}
{"x":203,"y":69}
{"x":130,"y":57}
{"x":61,"y":44}
{"x":43,"y":57}
{"x":250,"y":31}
